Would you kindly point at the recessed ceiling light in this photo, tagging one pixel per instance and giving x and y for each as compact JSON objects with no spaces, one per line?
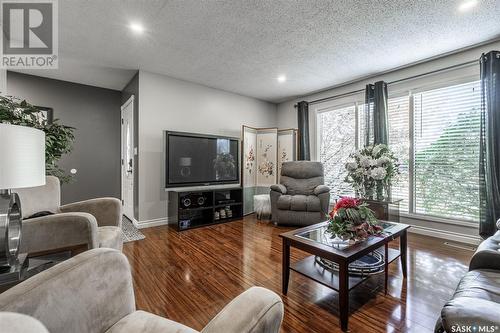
{"x":281,"y":78}
{"x":468,"y":5}
{"x":136,"y":27}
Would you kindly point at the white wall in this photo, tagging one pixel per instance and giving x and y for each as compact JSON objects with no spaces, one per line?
{"x":287,"y":117}
{"x":169,"y":104}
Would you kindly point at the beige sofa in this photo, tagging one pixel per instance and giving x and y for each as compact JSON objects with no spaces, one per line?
{"x":92,"y":293}
{"x":88,"y":224}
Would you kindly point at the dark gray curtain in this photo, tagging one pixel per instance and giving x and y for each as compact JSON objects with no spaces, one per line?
{"x":489,"y":160}
{"x":303,"y":123}
{"x":369,"y":114}
{"x":376,"y":120}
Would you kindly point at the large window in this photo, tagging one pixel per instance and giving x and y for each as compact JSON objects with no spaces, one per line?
{"x":447,"y":151}
{"x":435,"y":135}
{"x":337,"y":133}
{"x":399,"y":142}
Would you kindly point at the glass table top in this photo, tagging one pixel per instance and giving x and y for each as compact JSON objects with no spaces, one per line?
{"x":320,"y":235}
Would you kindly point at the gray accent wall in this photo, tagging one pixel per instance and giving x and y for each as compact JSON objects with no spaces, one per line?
{"x":95,"y":112}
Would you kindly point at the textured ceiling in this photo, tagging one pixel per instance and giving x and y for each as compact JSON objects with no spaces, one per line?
{"x":243,"y":45}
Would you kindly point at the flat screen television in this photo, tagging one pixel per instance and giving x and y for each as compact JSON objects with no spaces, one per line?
{"x":197,"y":159}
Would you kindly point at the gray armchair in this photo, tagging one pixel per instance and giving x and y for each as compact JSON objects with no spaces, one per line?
{"x":82,"y":225}
{"x":93,"y":293}
{"x":301,"y":198}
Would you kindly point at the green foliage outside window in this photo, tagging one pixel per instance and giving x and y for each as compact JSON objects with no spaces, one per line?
{"x":447,"y":177}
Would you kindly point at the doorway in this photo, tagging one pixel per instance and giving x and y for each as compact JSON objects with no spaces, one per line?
{"x":127,"y":158}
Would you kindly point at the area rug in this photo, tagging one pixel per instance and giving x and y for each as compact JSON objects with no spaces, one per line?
{"x":130,"y":232}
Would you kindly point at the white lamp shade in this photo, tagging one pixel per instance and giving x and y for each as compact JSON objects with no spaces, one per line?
{"x":22,"y":157}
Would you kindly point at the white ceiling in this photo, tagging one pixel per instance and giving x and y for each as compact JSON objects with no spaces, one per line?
{"x":243,"y":45}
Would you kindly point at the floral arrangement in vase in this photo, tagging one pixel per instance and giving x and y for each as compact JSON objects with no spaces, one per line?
{"x":371,"y":170}
{"x":352,"y":220}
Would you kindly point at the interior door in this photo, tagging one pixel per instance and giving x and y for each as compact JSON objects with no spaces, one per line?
{"x":127,"y":161}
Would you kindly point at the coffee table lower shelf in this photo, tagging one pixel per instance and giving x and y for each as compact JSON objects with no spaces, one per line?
{"x":310,"y":239}
{"x":311,"y":269}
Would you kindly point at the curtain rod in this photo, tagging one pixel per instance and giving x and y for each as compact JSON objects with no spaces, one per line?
{"x":464,"y":64}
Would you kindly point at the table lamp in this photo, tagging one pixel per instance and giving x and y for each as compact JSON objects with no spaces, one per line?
{"x":22,"y":164}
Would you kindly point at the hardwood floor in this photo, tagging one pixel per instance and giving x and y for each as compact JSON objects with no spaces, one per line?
{"x":190,"y":276}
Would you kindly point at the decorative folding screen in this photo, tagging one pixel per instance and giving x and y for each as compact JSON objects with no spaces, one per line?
{"x":264,"y":150}
{"x":287,"y":147}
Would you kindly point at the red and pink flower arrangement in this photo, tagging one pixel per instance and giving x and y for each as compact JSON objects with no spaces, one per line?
{"x":352,"y":220}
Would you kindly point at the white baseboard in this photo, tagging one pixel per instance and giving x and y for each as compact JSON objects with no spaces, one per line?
{"x":448,"y":235}
{"x":134,"y":222}
{"x":151,"y":223}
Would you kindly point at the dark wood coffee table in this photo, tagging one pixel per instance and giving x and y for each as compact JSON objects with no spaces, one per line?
{"x":313,"y":240}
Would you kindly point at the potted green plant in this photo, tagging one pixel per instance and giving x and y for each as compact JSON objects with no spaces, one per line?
{"x":58,"y":138}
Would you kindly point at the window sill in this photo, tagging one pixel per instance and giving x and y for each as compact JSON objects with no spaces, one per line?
{"x":436,"y":219}
{"x":430,"y":218}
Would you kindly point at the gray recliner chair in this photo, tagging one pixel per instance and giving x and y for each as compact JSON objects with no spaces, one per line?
{"x":476,"y":302}
{"x":301,"y":198}
{"x":92,"y":293}
{"x":77,"y":226}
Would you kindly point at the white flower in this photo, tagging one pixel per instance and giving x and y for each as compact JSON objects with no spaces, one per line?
{"x":351,"y":166}
{"x":364,"y":161}
{"x":378,"y":173}
{"x":383,"y":160}
{"x":377,"y":149}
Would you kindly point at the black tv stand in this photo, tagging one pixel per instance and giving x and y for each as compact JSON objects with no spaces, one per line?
{"x":194,"y":209}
